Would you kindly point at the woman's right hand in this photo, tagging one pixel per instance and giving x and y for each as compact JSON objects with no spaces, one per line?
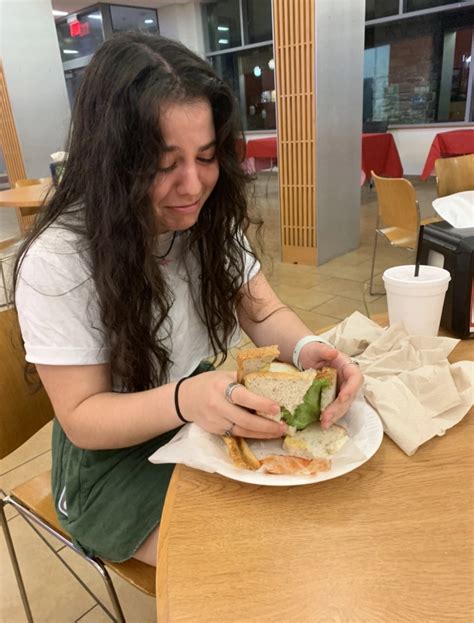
{"x":202,"y":400}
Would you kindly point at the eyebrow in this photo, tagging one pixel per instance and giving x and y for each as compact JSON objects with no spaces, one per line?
{"x":205,"y":147}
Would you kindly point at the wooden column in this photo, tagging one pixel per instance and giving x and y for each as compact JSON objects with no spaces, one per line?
{"x":9,"y":143}
{"x":293,"y":39}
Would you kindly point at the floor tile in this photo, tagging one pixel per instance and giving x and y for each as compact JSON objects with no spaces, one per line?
{"x":315,"y":321}
{"x":54,"y":595}
{"x":341,"y":307}
{"x":137,"y":607}
{"x":38,"y":444}
{"x":304,"y":298}
{"x":349,"y":289}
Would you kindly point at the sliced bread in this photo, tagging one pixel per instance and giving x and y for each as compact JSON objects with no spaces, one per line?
{"x":313,"y":442}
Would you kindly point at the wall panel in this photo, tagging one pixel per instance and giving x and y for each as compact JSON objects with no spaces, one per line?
{"x":293,"y":33}
{"x":9,"y":142}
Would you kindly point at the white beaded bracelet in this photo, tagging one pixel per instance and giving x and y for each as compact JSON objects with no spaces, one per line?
{"x":307,"y":339}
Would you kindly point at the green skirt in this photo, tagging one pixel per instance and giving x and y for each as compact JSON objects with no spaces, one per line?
{"x":109,"y":501}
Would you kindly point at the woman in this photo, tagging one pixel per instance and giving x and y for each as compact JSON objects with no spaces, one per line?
{"x":137,"y":272}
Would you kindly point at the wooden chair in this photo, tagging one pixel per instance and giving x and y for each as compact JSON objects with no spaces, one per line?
{"x":22,"y":414}
{"x":8,"y":250}
{"x":26,"y":216}
{"x":453,"y":175}
{"x":399,"y":212}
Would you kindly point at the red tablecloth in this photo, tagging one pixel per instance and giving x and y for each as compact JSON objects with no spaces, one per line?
{"x":261,"y":153}
{"x":448,"y":145}
{"x":380,"y":154}
{"x":262,"y":148}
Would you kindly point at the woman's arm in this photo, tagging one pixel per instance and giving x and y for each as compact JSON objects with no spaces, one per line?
{"x":93,"y":417}
{"x":266,"y":320}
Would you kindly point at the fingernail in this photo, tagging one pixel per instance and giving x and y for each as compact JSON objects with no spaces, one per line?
{"x":275,"y":410}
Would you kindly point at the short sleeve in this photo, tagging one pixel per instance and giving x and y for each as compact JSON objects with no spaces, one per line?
{"x":58,"y":311}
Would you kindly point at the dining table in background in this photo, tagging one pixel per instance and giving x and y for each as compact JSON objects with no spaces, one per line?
{"x":380,"y":154}
{"x":24,"y":196}
{"x":389,"y":541}
{"x":448,"y":145}
{"x":262,"y":153}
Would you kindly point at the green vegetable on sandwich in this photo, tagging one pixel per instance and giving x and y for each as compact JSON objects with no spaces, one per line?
{"x":309,"y":411}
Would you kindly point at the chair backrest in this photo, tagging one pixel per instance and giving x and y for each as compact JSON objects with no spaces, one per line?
{"x":26,"y":216}
{"x":22,"y":411}
{"x":453,"y":175}
{"x":397,"y":202}
{"x":374,"y":127}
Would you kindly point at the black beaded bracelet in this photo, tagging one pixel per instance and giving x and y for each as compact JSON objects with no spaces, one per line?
{"x":176,"y":401}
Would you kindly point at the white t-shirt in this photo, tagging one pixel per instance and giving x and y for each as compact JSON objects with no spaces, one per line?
{"x":59,"y":314}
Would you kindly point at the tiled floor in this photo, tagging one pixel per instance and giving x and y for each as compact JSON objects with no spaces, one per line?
{"x":321,"y":295}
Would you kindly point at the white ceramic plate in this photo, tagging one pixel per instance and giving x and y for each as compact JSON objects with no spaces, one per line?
{"x":366,"y":432}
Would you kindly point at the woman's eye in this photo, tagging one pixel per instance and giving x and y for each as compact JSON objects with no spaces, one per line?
{"x":167,"y":169}
{"x":211,"y":159}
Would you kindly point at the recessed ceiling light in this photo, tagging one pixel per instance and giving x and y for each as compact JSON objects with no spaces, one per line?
{"x":223,"y":40}
{"x":149,"y":21}
{"x":59,"y":13}
{"x":223,"y":28}
{"x":70,"y":51}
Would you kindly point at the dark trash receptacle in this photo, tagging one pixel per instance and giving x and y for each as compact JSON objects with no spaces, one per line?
{"x":453,"y":249}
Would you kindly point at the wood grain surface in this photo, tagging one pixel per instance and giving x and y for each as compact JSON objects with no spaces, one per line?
{"x":26,"y":196}
{"x":390,"y":541}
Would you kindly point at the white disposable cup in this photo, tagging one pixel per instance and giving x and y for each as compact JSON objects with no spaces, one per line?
{"x":416,"y":302}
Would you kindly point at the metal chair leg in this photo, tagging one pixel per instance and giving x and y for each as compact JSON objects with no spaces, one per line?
{"x":98,"y":565}
{"x":371,"y":283}
{"x":15,"y":565}
{"x":268,"y":177}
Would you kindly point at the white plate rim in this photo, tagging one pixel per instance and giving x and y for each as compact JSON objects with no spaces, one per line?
{"x":373,"y":425}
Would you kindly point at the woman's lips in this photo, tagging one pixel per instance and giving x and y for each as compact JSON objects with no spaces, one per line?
{"x":186,"y":208}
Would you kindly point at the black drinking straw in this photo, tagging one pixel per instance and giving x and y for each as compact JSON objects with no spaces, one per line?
{"x":418,"y":251}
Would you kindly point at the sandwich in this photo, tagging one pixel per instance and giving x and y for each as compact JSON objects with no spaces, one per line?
{"x":302,"y":397}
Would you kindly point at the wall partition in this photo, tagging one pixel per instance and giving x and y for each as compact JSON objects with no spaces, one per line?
{"x":294,"y":51}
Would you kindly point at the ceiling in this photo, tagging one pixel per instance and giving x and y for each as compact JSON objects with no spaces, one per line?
{"x":72,"y":6}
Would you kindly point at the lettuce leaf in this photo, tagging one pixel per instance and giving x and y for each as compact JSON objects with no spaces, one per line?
{"x":309,"y":410}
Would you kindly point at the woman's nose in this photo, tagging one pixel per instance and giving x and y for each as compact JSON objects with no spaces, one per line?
{"x":190,"y":182}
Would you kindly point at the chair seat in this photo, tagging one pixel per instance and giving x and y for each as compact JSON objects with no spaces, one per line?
{"x":400,"y":237}
{"x":35,"y":494}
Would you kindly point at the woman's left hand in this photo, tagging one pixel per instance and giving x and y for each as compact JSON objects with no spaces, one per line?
{"x":349,"y":377}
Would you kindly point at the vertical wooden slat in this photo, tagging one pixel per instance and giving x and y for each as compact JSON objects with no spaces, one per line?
{"x":9,"y":143}
{"x":293,"y":38}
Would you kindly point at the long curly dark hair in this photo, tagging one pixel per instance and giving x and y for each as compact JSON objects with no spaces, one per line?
{"x":114,"y":148}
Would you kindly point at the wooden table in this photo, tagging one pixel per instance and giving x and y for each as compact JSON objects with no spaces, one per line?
{"x":24,"y":197}
{"x":390,"y":541}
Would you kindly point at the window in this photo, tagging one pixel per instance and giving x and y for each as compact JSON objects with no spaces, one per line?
{"x":249,"y":69}
{"x":133,"y":18}
{"x":250,"y":73}
{"x":419,"y":5}
{"x":223,"y":24}
{"x":374,"y":9}
{"x":258,"y":20}
{"x":82,"y":41}
{"x":417,"y":70}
